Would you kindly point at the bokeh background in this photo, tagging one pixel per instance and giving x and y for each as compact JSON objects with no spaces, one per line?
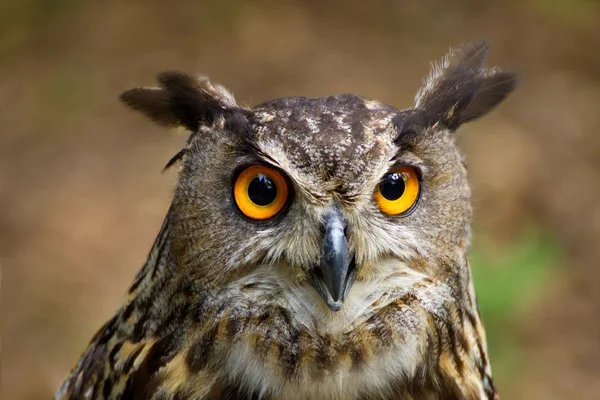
{"x":82,"y":196}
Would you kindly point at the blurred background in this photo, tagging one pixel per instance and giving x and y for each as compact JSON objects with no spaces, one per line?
{"x":82,"y":196}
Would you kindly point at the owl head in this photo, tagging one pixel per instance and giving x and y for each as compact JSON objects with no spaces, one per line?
{"x":323,"y":192}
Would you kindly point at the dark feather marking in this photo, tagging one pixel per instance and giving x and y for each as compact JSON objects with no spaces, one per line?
{"x":285,"y":315}
{"x":128,"y":364}
{"x":430,"y":361}
{"x":107,"y":387}
{"x":268,"y":322}
{"x":453,"y":344}
{"x":159,"y":257}
{"x":200,"y":313}
{"x":263,"y":317}
{"x":138,"y":279}
{"x":139,"y":328}
{"x":142,"y":383}
{"x":171,"y":326}
{"x":460,"y":312}
{"x":290,"y":355}
{"x":235,"y":325}
{"x":145,"y":304}
{"x":408,"y":299}
{"x":98,"y":386}
{"x":426,"y":385}
{"x":231,"y":391}
{"x":289,"y":346}
{"x":161,"y":238}
{"x":471,"y":318}
{"x":358,"y":354}
{"x":381,"y":330}
{"x":200,"y":351}
{"x":128,"y":311}
{"x":489,"y":387}
{"x":91,"y":367}
{"x":440,"y":339}
{"x":113,"y":353}
{"x":325,"y":354}
{"x":462,"y":340}
{"x":482,"y":364}
{"x":261,"y":345}
{"x":249,"y":286}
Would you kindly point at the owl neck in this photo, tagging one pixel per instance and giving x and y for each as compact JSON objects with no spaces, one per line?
{"x":149,"y":299}
{"x":158,"y":260}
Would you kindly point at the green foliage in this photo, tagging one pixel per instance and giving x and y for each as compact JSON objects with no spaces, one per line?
{"x":509,"y":280}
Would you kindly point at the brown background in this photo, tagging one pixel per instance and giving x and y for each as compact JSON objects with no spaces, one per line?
{"x":82,"y":196}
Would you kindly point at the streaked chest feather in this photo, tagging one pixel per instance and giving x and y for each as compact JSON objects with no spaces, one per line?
{"x":284,"y":342}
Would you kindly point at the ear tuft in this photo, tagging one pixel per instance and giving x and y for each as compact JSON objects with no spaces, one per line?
{"x":460,"y":88}
{"x":181,"y":100}
{"x":154,"y":102}
{"x":494,"y":86}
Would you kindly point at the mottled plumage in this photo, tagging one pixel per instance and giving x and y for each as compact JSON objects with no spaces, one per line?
{"x":227,"y":308}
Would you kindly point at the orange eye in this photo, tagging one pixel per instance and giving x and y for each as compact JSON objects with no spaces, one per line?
{"x":260,"y":192}
{"x":398,"y":191}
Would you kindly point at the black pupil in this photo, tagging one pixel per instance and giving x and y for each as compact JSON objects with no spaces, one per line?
{"x":262,"y":190}
{"x":392,"y":186}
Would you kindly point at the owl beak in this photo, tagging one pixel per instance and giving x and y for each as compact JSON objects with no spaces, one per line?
{"x":336,"y":272}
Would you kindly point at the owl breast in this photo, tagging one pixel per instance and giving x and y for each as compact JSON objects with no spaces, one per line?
{"x":293,"y":346}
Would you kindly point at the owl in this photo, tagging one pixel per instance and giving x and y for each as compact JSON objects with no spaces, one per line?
{"x":315,"y":248}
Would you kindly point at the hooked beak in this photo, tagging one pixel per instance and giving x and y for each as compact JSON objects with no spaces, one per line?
{"x":336,"y":272}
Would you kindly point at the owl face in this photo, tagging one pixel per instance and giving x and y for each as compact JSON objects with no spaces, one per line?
{"x":326,"y":188}
{"x":325,"y":191}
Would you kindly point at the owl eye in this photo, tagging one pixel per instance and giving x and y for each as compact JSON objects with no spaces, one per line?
{"x":260,"y":192}
{"x":397,"y":193}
